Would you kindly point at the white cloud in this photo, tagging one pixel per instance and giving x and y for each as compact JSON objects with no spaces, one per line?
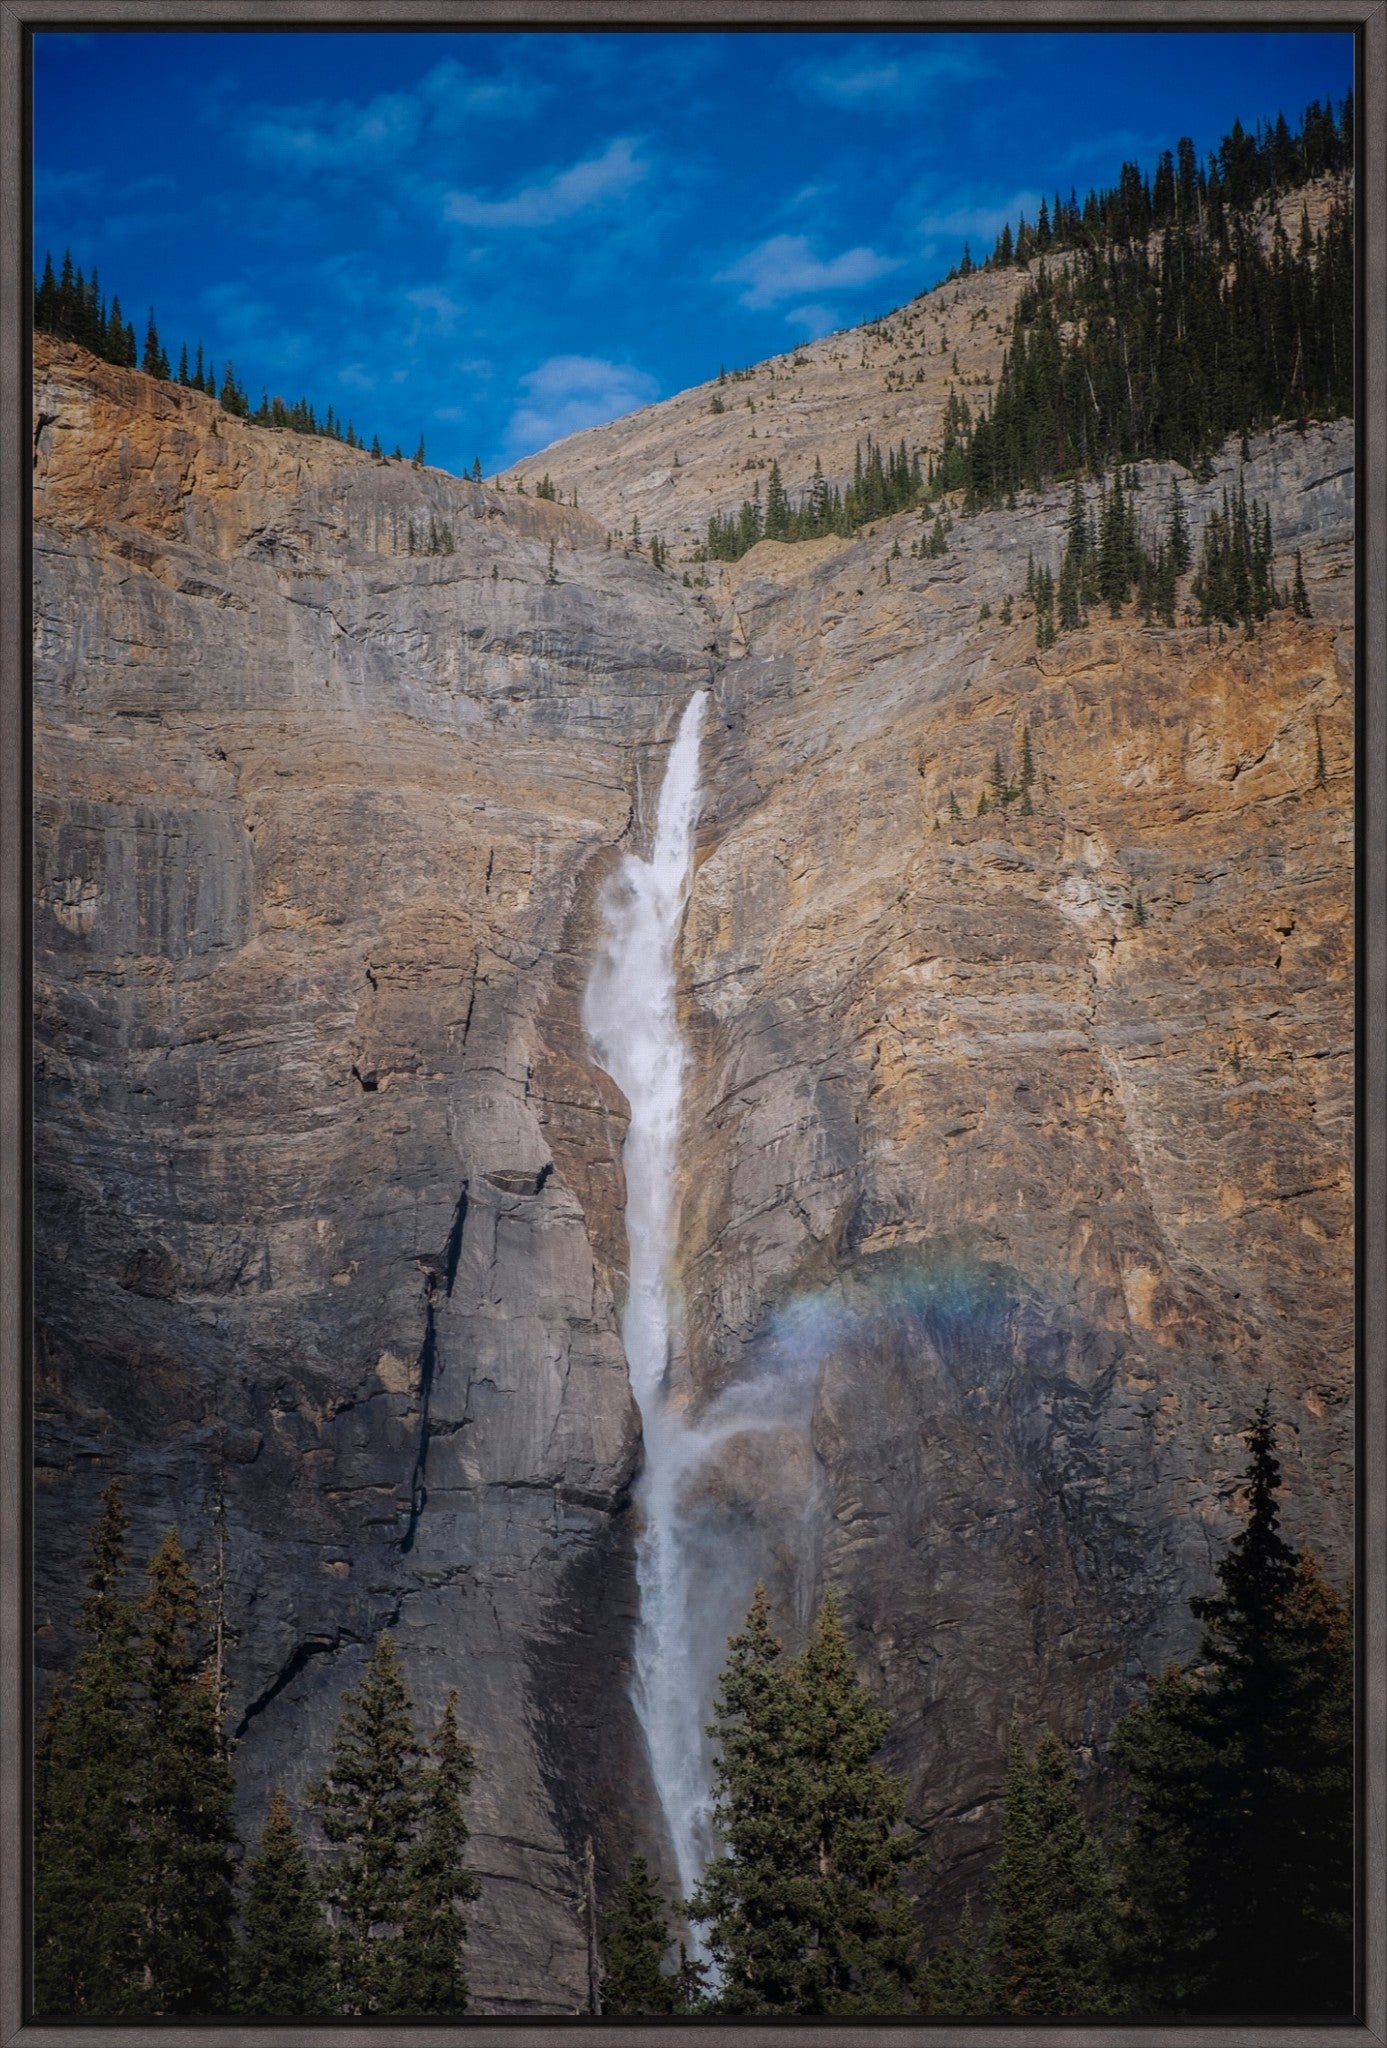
{"x":567,"y":393}
{"x":872,"y":81}
{"x":454,"y":93}
{"x":785,"y":266}
{"x":347,"y":135}
{"x":443,"y":311}
{"x":343,"y":136}
{"x":980,"y":220}
{"x":812,"y":321}
{"x":558,"y":197}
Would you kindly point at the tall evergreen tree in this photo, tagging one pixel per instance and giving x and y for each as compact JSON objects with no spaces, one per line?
{"x":806,"y":1911}
{"x":134,"y":1835}
{"x":1239,"y":1860}
{"x":87,"y":1918}
{"x":429,"y":1975}
{"x":956,"y":1982}
{"x":185,"y":1828}
{"x":635,"y":1942}
{"x":369,"y":1801}
{"x":747,"y":1893}
{"x":282,"y":1968}
{"x":1050,"y":1941}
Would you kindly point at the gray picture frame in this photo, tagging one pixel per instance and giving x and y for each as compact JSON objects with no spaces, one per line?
{"x":18,"y":20}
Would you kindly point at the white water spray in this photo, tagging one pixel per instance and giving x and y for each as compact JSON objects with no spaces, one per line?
{"x":631,"y":1018}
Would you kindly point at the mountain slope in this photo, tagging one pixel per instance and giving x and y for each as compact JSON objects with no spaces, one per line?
{"x":676,"y":464}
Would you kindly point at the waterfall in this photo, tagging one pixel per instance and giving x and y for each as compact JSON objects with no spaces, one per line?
{"x":630,"y":1016}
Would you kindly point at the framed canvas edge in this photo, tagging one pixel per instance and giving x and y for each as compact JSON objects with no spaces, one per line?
{"x":18,"y":19}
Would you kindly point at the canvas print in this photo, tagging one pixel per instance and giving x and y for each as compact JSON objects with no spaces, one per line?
{"x":693,"y":829}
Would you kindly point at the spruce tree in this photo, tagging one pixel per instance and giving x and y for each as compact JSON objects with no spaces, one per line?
{"x":1026,"y":778}
{"x":1239,"y":1858}
{"x":1051,"y":1936}
{"x":635,"y":1941}
{"x":282,"y":1968}
{"x":864,"y":1958}
{"x":369,"y":1801}
{"x":1300,"y":596}
{"x":777,"y":506}
{"x":185,"y":1828}
{"x":429,"y":1975}
{"x":956,"y":1982}
{"x":747,"y":1894}
{"x":153,"y":354}
{"x":87,"y":1918}
{"x":806,"y":1912}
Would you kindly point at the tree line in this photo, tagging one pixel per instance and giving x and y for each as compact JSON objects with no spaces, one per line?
{"x":1221,"y":1883}
{"x":1245,"y":170}
{"x":1172,"y":323}
{"x":1164,"y":352}
{"x":74,"y":307}
{"x":137,"y":1908}
{"x":883,"y":482}
{"x":1111,"y":557}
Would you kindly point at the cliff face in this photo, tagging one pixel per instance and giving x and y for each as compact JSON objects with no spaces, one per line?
{"x":329,"y":1219}
{"x":1031,"y":1130}
{"x":1019,"y":1145}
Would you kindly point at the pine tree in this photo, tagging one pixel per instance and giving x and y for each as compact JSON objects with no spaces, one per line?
{"x":87,"y":1919}
{"x":635,"y":1941}
{"x":1051,"y":1935}
{"x":1300,"y":597}
{"x":369,"y":1801}
{"x":185,"y":1829}
{"x":429,"y":1975}
{"x":153,"y":353}
{"x":777,"y":506}
{"x":956,"y":1982}
{"x":282,"y":1968}
{"x":1239,"y":1859}
{"x":419,"y":454}
{"x":746,"y":1893}
{"x":806,"y":1911}
{"x":865,"y":1949}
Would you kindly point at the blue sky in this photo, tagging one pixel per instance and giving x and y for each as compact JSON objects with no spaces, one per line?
{"x":496,"y":239}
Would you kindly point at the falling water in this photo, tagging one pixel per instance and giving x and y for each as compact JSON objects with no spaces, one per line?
{"x":631,"y":1018}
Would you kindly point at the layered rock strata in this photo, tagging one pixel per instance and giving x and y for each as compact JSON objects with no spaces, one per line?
{"x":1017,"y":1148}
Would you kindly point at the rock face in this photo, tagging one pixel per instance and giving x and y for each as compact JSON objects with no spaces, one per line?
{"x":1020,"y":1143}
{"x":329,"y":1214}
